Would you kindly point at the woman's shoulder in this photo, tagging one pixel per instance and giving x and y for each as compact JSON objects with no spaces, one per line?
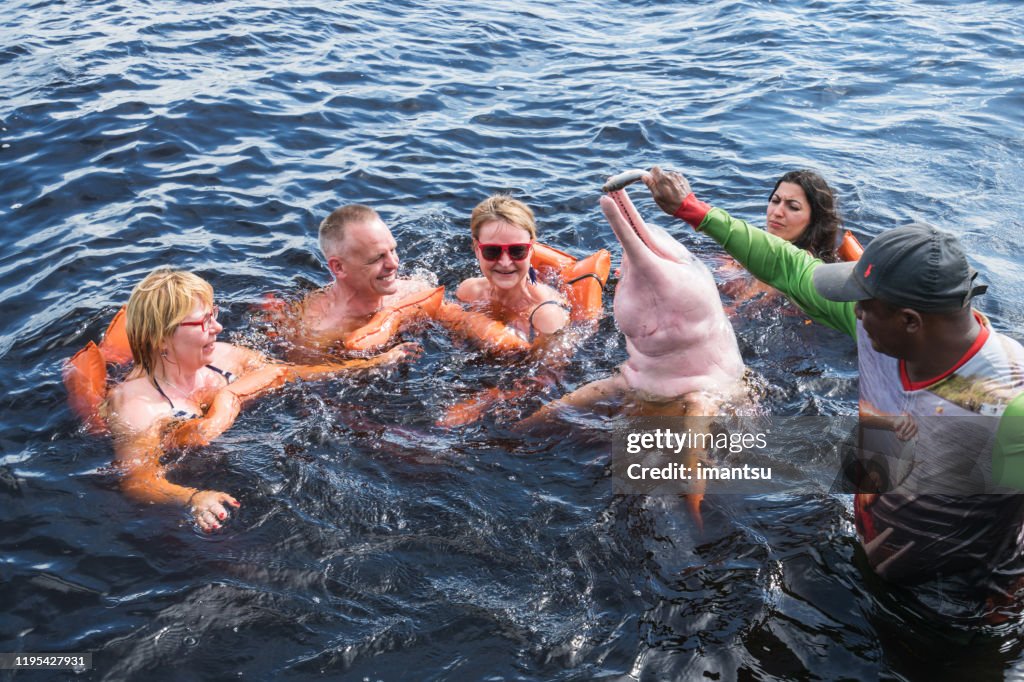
{"x":137,"y":388}
{"x":543,"y":293}
{"x":135,"y":404}
{"x":238,"y":360}
{"x":550,"y":312}
{"x":473,"y":289}
{"x":222,"y":349}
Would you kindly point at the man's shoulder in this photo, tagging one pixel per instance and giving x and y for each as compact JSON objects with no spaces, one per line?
{"x":1007,"y":359}
{"x":316,"y":310}
{"x":316,"y":298}
{"x":1001,"y":354}
{"x":1012,"y":347}
{"x":407,"y":287}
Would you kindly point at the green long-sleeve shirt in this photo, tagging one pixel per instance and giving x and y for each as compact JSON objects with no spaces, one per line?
{"x":789,"y":269}
{"x":780,"y":264}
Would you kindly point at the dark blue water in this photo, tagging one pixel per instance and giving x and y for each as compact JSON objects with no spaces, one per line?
{"x":214,"y":136}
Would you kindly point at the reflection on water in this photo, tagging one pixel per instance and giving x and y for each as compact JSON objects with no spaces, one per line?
{"x":371,"y":542}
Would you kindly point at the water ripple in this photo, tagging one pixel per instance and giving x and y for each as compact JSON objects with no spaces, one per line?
{"x":370,"y":542}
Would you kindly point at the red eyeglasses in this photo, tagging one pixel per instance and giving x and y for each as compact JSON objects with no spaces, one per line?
{"x":515,"y":251}
{"x":209,"y":318}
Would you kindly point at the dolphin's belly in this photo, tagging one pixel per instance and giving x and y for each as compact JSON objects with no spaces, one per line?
{"x":713,"y":367}
{"x":662,"y":387}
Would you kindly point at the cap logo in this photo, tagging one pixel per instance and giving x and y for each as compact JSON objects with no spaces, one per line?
{"x":868,"y":271}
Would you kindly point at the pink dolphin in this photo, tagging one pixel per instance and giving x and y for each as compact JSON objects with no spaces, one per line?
{"x":683,"y":356}
{"x":667,"y":305}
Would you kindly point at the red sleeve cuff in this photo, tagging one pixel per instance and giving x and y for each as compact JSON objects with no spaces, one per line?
{"x":692,"y":210}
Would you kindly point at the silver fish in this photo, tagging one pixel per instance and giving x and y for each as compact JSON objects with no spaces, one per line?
{"x":617,"y":182}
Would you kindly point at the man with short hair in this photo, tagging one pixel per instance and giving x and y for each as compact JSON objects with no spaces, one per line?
{"x":361,"y":255}
{"x":950,"y":518}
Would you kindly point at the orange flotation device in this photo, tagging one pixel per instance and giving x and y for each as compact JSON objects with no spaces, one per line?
{"x":85,"y":374}
{"x":386,"y":323}
{"x":582,"y":281}
{"x":585,"y":279}
{"x":849,"y":248}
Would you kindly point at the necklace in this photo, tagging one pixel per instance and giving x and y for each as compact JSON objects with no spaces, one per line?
{"x":182,"y":393}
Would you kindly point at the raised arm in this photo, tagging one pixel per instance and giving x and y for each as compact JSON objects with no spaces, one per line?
{"x":141,"y":437}
{"x":769,"y":258}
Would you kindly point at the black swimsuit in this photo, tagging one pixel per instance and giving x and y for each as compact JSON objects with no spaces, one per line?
{"x":533,"y":330}
{"x":182,"y":414}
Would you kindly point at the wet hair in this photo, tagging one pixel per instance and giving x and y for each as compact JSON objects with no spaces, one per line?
{"x":819,"y":237}
{"x":156,"y":307}
{"x":505,"y":208}
{"x":332,"y":229}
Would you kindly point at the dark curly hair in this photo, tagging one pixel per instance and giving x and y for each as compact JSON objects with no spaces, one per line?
{"x":820,"y":236}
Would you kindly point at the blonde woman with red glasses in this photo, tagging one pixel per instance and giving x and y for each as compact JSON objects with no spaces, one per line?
{"x":504,"y":234}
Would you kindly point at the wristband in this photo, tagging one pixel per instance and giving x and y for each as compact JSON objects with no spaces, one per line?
{"x":692,"y":210}
{"x":189,"y":503}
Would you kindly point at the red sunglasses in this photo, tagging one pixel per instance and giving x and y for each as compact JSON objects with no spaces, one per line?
{"x":209,"y":318}
{"x":515,"y":251}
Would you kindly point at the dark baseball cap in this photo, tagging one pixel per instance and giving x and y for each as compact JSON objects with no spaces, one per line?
{"x":914,"y":266}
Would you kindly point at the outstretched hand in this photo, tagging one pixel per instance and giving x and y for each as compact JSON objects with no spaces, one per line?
{"x":208,"y":508}
{"x":668,"y":189}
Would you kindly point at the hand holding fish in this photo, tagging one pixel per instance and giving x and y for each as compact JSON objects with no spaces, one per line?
{"x":668,"y":188}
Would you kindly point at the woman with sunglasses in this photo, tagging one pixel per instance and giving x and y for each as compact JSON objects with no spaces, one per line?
{"x":187,"y":387}
{"x":504,"y":232}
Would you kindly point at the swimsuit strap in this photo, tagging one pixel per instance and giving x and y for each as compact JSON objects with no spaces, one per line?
{"x":175,"y":412}
{"x":161,"y":391}
{"x":533,"y":332}
{"x":584,"y":276}
{"x":228,"y":376}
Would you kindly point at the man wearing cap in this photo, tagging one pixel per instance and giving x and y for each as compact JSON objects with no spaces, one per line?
{"x":950,"y":518}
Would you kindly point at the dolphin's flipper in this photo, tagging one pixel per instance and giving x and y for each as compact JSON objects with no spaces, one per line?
{"x":608,"y":391}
